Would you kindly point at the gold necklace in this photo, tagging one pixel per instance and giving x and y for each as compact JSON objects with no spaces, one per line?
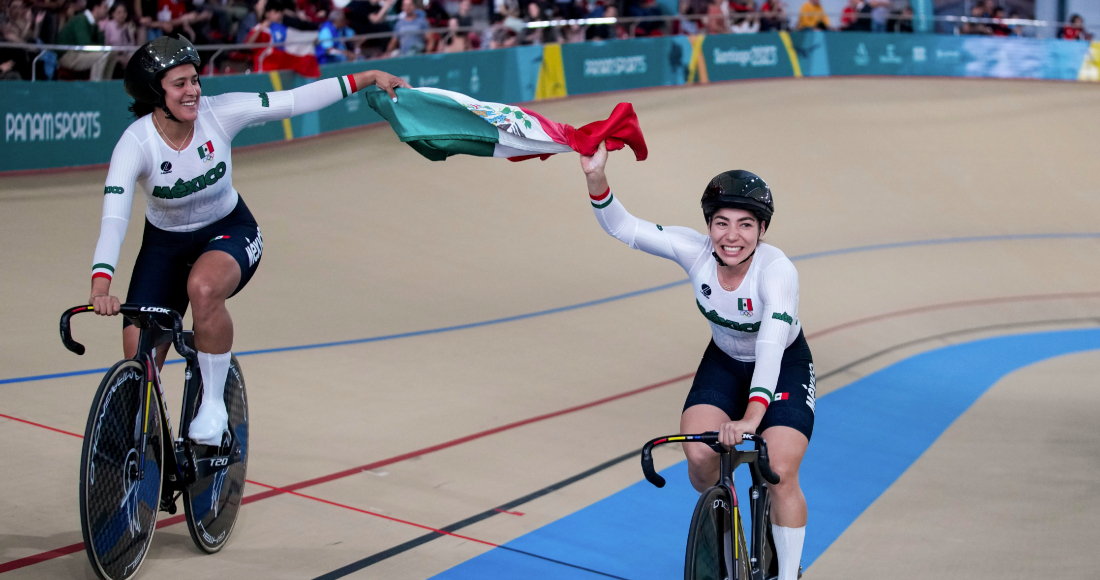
{"x":170,"y":142}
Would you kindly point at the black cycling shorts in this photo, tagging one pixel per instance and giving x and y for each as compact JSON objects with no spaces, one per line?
{"x":165,"y":260}
{"x":723,"y":381}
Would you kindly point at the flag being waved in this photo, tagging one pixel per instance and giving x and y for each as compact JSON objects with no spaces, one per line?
{"x":440,"y":123}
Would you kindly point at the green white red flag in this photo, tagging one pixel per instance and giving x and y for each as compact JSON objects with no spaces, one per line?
{"x":439,"y":124}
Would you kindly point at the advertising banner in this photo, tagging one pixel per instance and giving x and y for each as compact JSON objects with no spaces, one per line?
{"x":746,"y":56}
{"x":858,"y":53}
{"x":64,"y":124}
{"x":593,"y":67}
{"x":60,"y":124}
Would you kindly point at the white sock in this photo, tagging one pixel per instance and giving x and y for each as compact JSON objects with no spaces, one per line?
{"x":214,"y":369}
{"x":788,"y":549}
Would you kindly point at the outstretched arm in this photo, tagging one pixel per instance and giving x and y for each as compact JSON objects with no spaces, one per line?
{"x":235,"y":111}
{"x":683,"y":245}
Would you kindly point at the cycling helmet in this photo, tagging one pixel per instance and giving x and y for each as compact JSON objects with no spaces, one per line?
{"x":741,"y":190}
{"x":152,"y":60}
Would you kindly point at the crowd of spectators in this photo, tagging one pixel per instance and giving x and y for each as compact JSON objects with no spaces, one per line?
{"x":318,"y":31}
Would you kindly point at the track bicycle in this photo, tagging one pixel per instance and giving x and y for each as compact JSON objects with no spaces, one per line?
{"x":716,"y":546}
{"x":131,"y":468}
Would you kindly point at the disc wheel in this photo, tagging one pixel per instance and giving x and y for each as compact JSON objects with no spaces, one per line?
{"x":118,"y":504}
{"x":212,"y":502}
{"x":716,"y":547}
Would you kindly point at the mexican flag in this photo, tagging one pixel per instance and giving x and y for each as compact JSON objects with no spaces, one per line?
{"x":438,"y":124}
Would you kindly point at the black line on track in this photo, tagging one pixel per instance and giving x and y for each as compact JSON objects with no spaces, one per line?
{"x":1002,"y":326}
{"x":421,"y":540}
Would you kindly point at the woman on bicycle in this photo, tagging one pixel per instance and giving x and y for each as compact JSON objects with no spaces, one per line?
{"x":201,"y":244}
{"x":757,"y":375}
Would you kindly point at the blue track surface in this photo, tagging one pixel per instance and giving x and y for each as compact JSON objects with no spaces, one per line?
{"x":867,"y":435}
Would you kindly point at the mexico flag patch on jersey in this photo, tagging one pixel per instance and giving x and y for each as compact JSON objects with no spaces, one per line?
{"x":206,"y":151}
{"x":744,"y":304}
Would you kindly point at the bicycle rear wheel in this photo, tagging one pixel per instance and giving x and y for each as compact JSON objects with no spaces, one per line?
{"x":716,"y":542}
{"x":118,"y":508}
{"x":212,"y":502}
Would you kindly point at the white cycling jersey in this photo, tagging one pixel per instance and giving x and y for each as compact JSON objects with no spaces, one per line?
{"x":754,"y":323}
{"x":191,"y":189}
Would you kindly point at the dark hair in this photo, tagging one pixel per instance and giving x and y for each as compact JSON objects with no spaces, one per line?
{"x":91,"y":4}
{"x":122,"y":4}
{"x":141,"y":109}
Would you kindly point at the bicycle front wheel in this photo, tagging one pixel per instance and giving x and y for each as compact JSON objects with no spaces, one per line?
{"x":212,"y":502}
{"x":716,"y":542}
{"x":120,"y":480}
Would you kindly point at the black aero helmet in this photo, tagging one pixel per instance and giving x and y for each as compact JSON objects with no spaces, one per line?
{"x":739,"y":189}
{"x":152,"y":60}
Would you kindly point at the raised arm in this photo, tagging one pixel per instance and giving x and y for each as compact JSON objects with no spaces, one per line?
{"x":127,"y":163}
{"x":235,"y":111}
{"x":684,"y":246}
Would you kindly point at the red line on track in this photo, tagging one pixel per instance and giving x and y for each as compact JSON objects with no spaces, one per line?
{"x":42,"y":426}
{"x":377,"y":515}
{"x":959,"y":304}
{"x":290,"y":489}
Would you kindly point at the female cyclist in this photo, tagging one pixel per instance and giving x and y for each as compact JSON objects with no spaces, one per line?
{"x":201,"y":244}
{"x":756,"y":375}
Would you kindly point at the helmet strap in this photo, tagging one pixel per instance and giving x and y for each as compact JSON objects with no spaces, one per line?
{"x":168,"y":113}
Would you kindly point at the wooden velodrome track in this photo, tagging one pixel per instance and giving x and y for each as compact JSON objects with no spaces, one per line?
{"x":364,"y":239}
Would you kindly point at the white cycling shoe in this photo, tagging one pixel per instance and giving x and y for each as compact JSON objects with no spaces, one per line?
{"x":209,"y":423}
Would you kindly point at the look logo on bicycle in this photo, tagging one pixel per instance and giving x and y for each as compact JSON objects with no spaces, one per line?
{"x":201,"y":244}
{"x":757,"y":375}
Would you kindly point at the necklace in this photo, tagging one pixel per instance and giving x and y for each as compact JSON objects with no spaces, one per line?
{"x":170,"y":142}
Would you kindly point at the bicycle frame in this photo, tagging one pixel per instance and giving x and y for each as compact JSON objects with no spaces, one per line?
{"x":729,"y":459}
{"x":181,"y":467}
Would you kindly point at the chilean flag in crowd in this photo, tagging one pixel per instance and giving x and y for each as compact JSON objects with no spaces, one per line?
{"x":439,"y":124}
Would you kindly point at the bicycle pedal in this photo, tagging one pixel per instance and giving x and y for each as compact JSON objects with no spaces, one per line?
{"x":168,"y":507}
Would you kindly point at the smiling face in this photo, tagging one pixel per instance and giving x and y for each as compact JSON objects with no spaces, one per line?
{"x":182,"y":92}
{"x":735,"y":234}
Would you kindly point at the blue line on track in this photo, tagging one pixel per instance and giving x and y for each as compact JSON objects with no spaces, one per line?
{"x":866,"y":436}
{"x":838,"y":252}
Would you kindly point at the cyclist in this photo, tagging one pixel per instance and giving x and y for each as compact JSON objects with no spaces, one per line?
{"x":757,"y":375}
{"x":201,"y":245}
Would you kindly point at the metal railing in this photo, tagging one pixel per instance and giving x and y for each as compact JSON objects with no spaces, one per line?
{"x":630,"y":25}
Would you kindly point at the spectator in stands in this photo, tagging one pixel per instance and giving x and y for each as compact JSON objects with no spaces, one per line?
{"x":369,"y":17}
{"x":315,"y":11}
{"x":1075,"y":30}
{"x":849,"y":14}
{"x":604,"y":31}
{"x":976,"y":27}
{"x":18,"y":25}
{"x":409,"y":30}
{"x":643,"y":9}
{"x":717,"y":21}
{"x":546,"y":35}
{"x":745,"y":19}
{"x":774,"y":16}
{"x":329,"y":49}
{"x":904,"y":21}
{"x":81,"y":29}
{"x":998,"y":28}
{"x":812,"y":16}
{"x":688,"y":22}
{"x":272,"y":31}
{"x":880,"y":14}
{"x":119,"y":30}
